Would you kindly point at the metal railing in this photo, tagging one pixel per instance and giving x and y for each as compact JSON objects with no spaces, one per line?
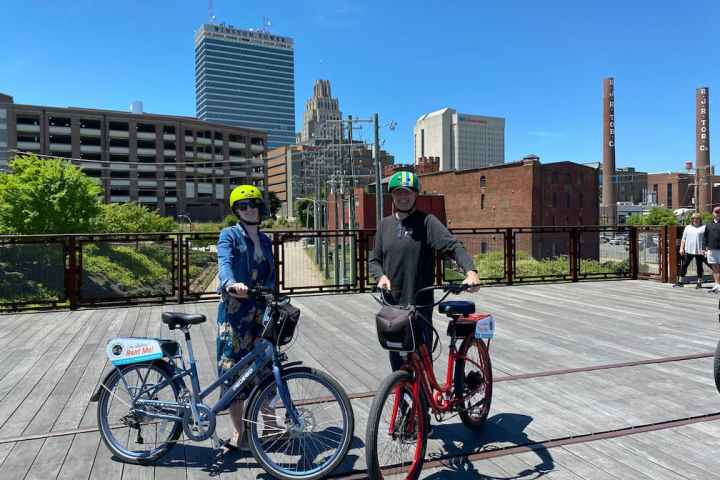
{"x":73,"y":271}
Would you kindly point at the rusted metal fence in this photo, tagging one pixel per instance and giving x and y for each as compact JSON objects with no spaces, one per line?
{"x":74,"y":271}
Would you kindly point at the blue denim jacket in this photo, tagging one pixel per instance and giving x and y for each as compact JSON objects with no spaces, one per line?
{"x":235,"y":251}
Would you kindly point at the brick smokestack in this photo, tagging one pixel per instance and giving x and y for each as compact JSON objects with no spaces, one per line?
{"x":702,"y":148}
{"x":609,"y":197}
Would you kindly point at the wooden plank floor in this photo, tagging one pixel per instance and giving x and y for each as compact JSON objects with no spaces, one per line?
{"x":53,"y":361}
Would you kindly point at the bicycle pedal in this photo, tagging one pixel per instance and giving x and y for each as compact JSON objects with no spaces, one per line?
{"x":139,"y":439}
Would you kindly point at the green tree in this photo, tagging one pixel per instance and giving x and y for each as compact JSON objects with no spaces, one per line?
{"x":656,"y":216}
{"x":131,"y":218}
{"x":42,"y":196}
{"x":275,"y":203}
{"x":706,"y":218}
{"x":304,"y":213}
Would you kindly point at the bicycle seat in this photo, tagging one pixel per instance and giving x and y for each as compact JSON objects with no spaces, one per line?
{"x":456,"y":307}
{"x":179,"y":320}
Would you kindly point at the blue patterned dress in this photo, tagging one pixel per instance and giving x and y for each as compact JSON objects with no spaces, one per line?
{"x":239,"y":320}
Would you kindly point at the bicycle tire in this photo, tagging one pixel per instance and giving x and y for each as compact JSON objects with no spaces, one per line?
{"x":403,"y":382}
{"x":481,"y":370}
{"x":260,"y":449}
{"x":106,"y":429}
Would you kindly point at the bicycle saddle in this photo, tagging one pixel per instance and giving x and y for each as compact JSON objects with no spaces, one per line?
{"x":456,"y":307}
{"x":179,"y":320}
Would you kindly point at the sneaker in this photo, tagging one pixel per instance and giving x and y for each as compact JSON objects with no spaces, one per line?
{"x":714,"y":289}
{"x":678,"y":285}
{"x":698,"y":285}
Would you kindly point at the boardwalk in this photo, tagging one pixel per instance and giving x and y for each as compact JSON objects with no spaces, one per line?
{"x":646,"y":346}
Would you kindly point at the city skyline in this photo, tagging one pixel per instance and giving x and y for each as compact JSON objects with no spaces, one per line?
{"x":547,"y":82}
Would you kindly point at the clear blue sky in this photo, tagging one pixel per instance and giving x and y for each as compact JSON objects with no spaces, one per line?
{"x":538,"y":64}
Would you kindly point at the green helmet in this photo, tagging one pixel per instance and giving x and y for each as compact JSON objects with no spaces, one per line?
{"x":404,"y":179}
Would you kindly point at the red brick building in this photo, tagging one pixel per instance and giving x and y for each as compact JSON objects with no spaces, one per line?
{"x":677,"y":190}
{"x":365,"y":208}
{"x":522,"y":194}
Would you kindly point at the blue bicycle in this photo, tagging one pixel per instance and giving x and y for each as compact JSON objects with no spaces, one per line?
{"x":299,"y":421}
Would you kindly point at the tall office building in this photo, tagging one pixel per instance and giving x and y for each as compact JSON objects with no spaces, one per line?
{"x":246,"y":79}
{"x":322,"y":116}
{"x":461,"y":141}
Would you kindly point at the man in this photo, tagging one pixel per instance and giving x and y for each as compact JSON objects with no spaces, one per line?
{"x":403,"y":259}
{"x":691,"y":247}
{"x":711,"y":240}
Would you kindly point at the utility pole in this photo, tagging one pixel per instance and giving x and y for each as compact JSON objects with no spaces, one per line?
{"x":351,"y":209}
{"x":378,"y":172}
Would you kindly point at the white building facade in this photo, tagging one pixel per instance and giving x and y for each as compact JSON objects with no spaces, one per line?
{"x":461,"y":141}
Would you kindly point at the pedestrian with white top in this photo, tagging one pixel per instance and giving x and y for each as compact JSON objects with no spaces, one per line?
{"x":691,"y":248}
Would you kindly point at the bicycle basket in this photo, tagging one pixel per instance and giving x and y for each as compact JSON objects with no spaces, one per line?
{"x":395,"y":329}
{"x":281,"y":328}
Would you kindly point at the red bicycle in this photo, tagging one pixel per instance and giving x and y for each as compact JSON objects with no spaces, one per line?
{"x":398,"y":423}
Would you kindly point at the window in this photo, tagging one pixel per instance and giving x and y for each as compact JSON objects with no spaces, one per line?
{"x":483,"y":181}
{"x":555,"y":177}
{"x":669,"y":195}
{"x":118,"y":126}
{"x":554,"y":200}
{"x":567,"y":199}
{"x":581,"y":200}
{"x":482,"y":201}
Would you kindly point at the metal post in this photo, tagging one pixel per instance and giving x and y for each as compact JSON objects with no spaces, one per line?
{"x":634,"y":254}
{"x":509,"y":255}
{"x":337,"y":246}
{"x":378,"y":172}
{"x":179,"y":262}
{"x":351,"y":209}
{"x":71,"y":274}
{"x":672,"y":253}
{"x":574,"y":251}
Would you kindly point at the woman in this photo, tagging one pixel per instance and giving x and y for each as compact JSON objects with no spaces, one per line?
{"x":691,"y":247}
{"x":245,"y":261}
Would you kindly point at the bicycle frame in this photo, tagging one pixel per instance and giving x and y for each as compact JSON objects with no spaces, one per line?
{"x":438,"y":396}
{"x":251,"y":365}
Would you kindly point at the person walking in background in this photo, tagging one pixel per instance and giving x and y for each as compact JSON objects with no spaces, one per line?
{"x":691,"y":248}
{"x":711,"y":243}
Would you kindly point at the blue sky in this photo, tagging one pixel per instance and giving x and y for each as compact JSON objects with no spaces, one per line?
{"x":538,"y":64}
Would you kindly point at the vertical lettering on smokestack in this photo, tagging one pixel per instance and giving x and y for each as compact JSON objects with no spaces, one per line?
{"x":702,"y":147}
{"x":608,"y":189}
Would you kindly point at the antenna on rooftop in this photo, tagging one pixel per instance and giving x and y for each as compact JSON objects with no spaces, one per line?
{"x":211,"y":13}
{"x":266,"y":24}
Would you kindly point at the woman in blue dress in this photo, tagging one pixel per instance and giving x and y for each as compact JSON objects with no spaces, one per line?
{"x":245,"y":261}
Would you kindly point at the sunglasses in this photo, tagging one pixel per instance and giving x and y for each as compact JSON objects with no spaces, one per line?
{"x":252,"y":203}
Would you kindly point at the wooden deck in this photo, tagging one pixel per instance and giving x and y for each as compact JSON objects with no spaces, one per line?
{"x":52,"y":362}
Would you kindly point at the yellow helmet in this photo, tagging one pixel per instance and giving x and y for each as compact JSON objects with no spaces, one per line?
{"x":245,"y":192}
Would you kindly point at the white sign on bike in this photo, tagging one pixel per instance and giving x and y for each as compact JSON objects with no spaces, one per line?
{"x":123,"y":351}
{"x":485,"y":327}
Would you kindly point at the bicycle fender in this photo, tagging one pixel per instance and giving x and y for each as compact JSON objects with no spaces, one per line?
{"x":159,"y":363}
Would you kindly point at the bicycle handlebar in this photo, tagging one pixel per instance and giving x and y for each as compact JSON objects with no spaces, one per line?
{"x":448,"y":288}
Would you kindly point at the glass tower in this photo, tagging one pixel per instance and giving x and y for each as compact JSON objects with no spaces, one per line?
{"x":246,"y":78}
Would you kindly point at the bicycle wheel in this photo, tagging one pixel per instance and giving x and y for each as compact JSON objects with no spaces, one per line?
{"x":716,"y":367}
{"x":397,"y":430}
{"x":316,"y":447}
{"x":133,"y":437}
{"x":473,"y":382}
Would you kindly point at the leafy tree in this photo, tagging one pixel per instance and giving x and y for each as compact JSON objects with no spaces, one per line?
{"x":656,"y":216}
{"x":275,"y":203}
{"x":706,"y":217}
{"x":43,"y":196}
{"x":304,"y":213}
{"x":131,"y":218}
